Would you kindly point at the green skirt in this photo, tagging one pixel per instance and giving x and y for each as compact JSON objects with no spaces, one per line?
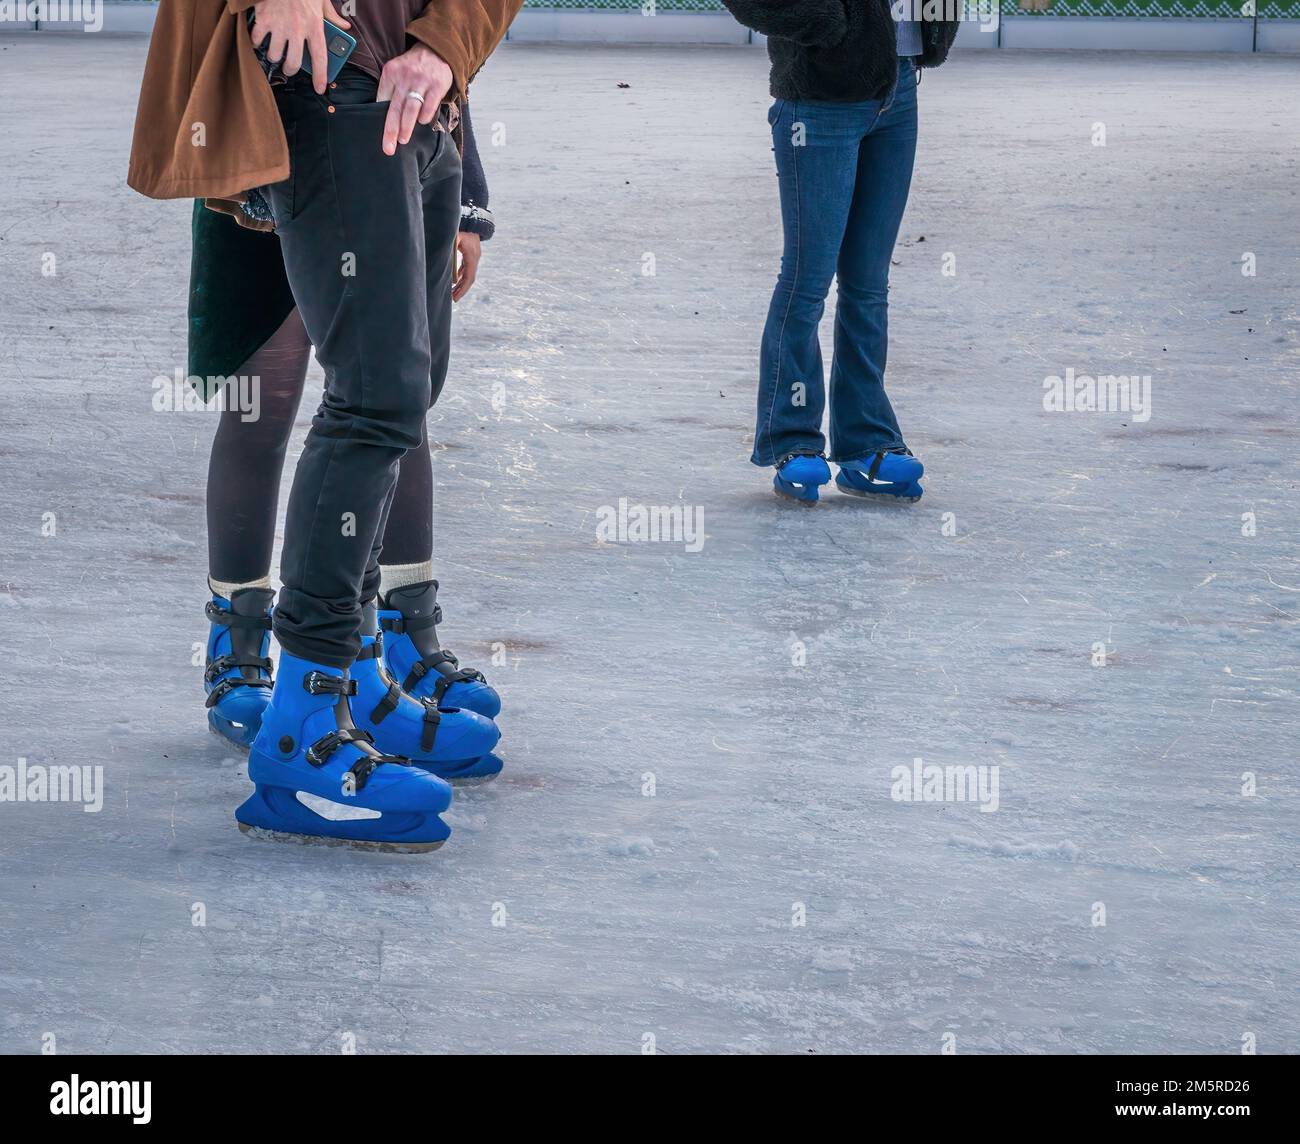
{"x":239,"y":296}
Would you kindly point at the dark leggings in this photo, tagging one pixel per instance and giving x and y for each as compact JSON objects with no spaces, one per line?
{"x":248,"y":459}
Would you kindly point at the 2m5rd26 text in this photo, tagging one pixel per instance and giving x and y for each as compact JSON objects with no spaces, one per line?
{"x":1147,"y":1087}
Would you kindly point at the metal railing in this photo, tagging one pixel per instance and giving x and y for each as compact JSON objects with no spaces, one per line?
{"x":1133,"y":9}
{"x":1245,"y":10}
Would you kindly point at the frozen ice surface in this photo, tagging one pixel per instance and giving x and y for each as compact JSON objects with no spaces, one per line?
{"x":578,"y":380}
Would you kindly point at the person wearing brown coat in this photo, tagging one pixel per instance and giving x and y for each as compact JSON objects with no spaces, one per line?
{"x":362,"y":179}
{"x":208,"y":126}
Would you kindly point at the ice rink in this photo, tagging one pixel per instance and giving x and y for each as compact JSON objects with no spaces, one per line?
{"x":695,"y":846}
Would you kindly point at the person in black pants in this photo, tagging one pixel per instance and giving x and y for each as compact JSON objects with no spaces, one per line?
{"x":240,"y":301}
{"x":366,"y":221}
{"x":343,"y":215}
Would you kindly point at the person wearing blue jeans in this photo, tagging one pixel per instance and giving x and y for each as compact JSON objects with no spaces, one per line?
{"x":844,"y":131}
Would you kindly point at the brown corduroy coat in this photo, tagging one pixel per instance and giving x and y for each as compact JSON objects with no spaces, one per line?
{"x":207,"y":124}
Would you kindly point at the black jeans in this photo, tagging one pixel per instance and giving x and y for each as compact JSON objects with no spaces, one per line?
{"x":369,"y":248}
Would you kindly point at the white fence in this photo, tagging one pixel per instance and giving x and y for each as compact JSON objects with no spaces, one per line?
{"x":1194,"y":25}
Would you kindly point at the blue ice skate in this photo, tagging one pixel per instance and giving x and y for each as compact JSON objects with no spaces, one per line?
{"x":409,"y":617}
{"x":318,"y":779}
{"x":799,"y":477}
{"x":894,"y":474}
{"x":452,"y":743}
{"x":237,"y":674}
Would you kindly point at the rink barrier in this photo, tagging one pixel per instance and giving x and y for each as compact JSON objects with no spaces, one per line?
{"x":1141,"y":25}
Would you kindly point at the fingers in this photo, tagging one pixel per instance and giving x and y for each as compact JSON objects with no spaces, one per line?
{"x":275,"y":51}
{"x":403,"y":114}
{"x":293,"y":57}
{"x":418,"y":71}
{"x":399,"y":122}
{"x":464,"y":280}
{"x":334,"y":18}
{"x":392,"y":127}
{"x":320,"y":66}
{"x":469,"y":275}
{"x":387,"y":84}
{"x":258,"y":34}
{"x":470,"y":250}
{"x":410,"y":115}
{"x":389,"y":91}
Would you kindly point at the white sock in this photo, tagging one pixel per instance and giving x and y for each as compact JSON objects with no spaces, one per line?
{"x":221,"y":588}
{"x":400,"y":575}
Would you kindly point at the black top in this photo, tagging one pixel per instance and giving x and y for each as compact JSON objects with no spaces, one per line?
{"x":840,"y":51}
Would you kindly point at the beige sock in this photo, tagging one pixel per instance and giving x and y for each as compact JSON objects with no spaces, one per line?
{"x":221,"y":588}
{"x":400,"y":575}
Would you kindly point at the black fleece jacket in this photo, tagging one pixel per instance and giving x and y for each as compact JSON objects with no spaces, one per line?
{"x":840,"y":51}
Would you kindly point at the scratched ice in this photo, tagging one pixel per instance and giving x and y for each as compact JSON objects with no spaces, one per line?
{"x":702,"y":744}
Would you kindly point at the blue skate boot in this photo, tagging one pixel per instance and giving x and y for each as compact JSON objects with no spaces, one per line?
{"x":409,"y":617}
{"x":453,"y":743}
{"x":318,"y":779}
{"x":800,"y":476}
{"x":895,"y":474}
{"x":237,"y":674}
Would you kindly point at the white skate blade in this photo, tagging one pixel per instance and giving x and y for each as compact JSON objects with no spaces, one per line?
{"x":785,"y":496}
{"x":353,"y":844}
{"x":876,"y":498}
{"x":241,"y":747}
{"x":880,"y":498}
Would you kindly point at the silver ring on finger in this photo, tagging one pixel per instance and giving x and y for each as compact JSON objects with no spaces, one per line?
{"x":415,"y":95}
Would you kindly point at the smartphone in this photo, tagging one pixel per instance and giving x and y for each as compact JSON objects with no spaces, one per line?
{"x":338,"y":46}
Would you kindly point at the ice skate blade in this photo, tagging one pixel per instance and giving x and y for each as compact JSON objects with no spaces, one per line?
{"x":472,"y":780}
{"x":353,"y":844}
{"x":880,"y":498}
{"x":876,"y":498}
{"x":468,"y":772}
{"x":810,"y":502}
{"x":244,"y":748}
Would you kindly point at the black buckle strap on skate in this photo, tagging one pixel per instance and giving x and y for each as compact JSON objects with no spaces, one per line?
{"x":460,"y":675}
{"x":429,"y":732}
{"x":326,"y":745}
{"x":371,"y":650}
{"x":318,"y":683}
{"x":224,"y":663}
{"x":405,"y":624}
{"x":422,"y":667}
{"x":363,"y":768}
{"x":876,"y":462}
{"x":225,"y":686}
{"x":434,"y":659}
{"x":360,"y":772}
{"x":782,"y":461}
{"x":224,"y":616}
{"x":387,"y":705}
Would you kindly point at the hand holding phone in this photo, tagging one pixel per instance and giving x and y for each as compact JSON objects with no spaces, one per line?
{"x":338,"y":47}
{"x":289,"y":26}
